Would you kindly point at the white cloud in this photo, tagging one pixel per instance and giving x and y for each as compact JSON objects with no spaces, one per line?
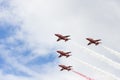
{"x":13,"y":77}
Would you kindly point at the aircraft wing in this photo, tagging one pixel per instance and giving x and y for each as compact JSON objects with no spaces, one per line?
{"x":89,"y":43}
{"x":58,"y":39}
{"x":62,"y":69}
{"x":60,"y":56}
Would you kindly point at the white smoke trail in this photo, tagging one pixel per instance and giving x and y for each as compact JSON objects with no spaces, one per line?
{"x":101,"y":57}
{"x":112,"y":51}
{"x":97,"y":70}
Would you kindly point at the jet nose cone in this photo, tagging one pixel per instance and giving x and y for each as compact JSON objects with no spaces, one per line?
{"x":55,"y":34}
{"x":59,"y":65}
{"x":87,"y":38}
{"x":58,"y":51}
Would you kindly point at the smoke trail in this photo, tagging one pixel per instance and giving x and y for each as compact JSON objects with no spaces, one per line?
{"x":82,"y":75}
{"x":96,"y":69}
{"x":112,"y":51}
{"x":101,"y":57}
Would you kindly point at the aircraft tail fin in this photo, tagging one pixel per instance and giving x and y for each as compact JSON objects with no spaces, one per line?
{"x":67,"y":36}
{"x":69,"y":69}
{"x":69,"y":66}
{"x":68,"y":55}
{"x":98,"y":40}
{"x":67,"y":39}
{"x":68,"y":52}
{"x":97,"y":43}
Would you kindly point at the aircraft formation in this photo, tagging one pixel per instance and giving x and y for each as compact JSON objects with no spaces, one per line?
{"x":65,"y":38}
{"x":67,"y":54}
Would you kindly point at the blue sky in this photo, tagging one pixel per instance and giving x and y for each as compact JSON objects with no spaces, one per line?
{"x":4,"y":4}
{"x":28,"y":45}
{"x":8,"y":30}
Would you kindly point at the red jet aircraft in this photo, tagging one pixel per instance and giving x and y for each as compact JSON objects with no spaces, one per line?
{"x":61,"y":37}
{"x":68,"y":68}
{"x":63,"y":54}
{"x":92,"y":41}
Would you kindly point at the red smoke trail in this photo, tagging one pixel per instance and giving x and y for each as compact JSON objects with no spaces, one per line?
{"x":87,"y":78}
